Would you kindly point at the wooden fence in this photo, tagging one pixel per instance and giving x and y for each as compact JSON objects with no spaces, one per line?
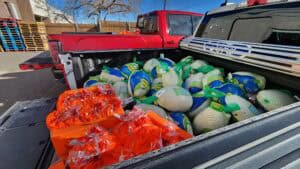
{"x":108,"y":26}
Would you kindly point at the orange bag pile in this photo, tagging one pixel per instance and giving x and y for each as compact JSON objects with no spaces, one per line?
{"x":98,"y":148}
{"x":77,"y":109}
{"x":90,"y":130}
{"x":137,"y":133}
{"x":84,"y":106}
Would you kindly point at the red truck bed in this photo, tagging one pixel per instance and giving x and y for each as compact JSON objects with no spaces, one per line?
{"x":102,"y":42}
{"x":40,"y":61}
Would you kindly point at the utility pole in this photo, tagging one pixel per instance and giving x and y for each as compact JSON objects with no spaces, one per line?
{"x":165,"y":4}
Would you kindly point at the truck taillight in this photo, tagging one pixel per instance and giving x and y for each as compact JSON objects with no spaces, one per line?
{"x":261,"y":2}
{"x":256,"y":2}
{"x":54,"y":47}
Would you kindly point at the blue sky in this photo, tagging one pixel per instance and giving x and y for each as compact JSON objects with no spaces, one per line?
{"x":187,"y":5}
{"x":200,"y":6}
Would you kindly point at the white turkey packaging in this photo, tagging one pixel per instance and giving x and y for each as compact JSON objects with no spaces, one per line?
{"x":150,"y":64}
{"x":200,"y":102}
{"x":194,"y":83}
{"x":175,"y":99}
{"x":274,"y":99}
{"x":121,"y":90}
{"x":210,"y":119}
{"x":246,"y":109}
{"x":171,"y":78}
{"x":213,"y":78}
{"x":156,"y":109}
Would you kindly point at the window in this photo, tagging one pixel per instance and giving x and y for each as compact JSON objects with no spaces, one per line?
{"x":196,"y":20}
{"x":252,"y":29}
{"x":148,"y":24}
{"x":182,"y":24}
{"x":284,"y":38}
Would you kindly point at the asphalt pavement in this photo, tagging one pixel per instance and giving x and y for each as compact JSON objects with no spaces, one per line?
{"x":18,"y":85}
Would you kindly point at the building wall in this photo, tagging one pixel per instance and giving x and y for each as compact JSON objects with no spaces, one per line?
{"x":4,"y":12}
{"x":25,"y":10}
{"x":23,"y":6}
{"x":40,"y":8}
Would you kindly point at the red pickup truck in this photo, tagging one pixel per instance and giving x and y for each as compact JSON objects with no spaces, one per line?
{"x":157,"y":30}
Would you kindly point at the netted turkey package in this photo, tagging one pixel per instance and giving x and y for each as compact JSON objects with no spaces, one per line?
{"x":85,"y":106}
{"x":137,"y":133}
{"x":193,"y":93}
{"x":90,"y":129}
{"x":95,"y":146}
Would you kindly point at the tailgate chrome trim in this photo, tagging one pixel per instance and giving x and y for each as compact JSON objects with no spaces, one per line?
{"x":280,"y":58}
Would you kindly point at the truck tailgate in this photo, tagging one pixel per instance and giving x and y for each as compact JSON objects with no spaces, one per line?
{"x":24,"y":137}
{"x":40,"y":61}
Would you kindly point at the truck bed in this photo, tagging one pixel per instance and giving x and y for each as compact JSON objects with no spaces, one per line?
{"x":208,"y":148}
{"x":25,"y":143}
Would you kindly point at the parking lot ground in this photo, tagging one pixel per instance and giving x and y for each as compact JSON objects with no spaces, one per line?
{"x":18,"y":85}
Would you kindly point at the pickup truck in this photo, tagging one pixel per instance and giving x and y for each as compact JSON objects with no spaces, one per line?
{"x":261,"y":37}
{"x":157,"y":30}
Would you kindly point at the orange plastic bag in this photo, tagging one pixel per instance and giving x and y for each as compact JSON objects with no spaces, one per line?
{"x":136,"y":133}
{"x":85,"y":106}
{"x":77,"y":109}
{"x":57,"y":165}
{"x":86,"y":147}
{"x":61,"y":138}
{"x":171,"y":133}
{"x":97,"y":148}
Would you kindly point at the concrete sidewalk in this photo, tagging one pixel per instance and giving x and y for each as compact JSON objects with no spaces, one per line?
{"x":18,"y":85}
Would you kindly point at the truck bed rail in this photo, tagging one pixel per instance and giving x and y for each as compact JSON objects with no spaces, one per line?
{"x":280,"y":58}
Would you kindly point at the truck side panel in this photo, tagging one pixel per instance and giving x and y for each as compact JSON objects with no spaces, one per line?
{"x":78,"y":42}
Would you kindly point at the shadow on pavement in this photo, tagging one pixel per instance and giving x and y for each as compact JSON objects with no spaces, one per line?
{"x":20,"y":86}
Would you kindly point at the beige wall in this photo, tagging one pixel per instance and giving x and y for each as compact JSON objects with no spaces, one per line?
{"x":25,"y":10}
{"x":109,"y":26}
{"x":23,"y":6}
{"x":55,"y":28}
{"x":4,"y":13}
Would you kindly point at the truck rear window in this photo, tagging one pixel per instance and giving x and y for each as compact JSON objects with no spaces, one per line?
{"x":182,"y":24}
{"x":282,"y":37}
{"x":148,"y":24}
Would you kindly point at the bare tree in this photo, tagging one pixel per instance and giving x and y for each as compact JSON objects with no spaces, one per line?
{"x":67,"y":11}
{"x":94,"y":8}
{"x":102,"y":8}
{"x":165,"y":4}
{"x":72,"y":7}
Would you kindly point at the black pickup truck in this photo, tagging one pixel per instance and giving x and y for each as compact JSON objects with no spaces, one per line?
{"x":263,"y":39}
